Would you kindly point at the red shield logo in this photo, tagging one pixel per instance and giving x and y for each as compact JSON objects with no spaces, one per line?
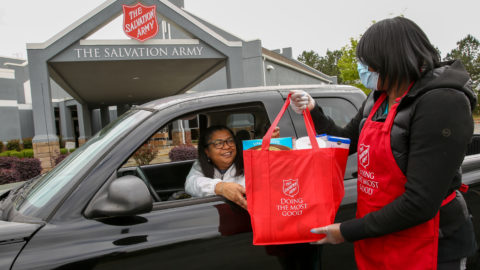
{"x":290,"y":187}
{"x":363,"y":155}
{"x":140,"y":22}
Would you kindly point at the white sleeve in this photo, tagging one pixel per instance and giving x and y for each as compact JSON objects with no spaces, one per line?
{"x":197,"y":184}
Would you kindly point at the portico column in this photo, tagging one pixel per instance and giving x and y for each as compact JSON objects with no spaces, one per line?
{"x":104,"y":116}
{"x":66,"y":123}
{"x":234,"y":68}
{"x":84,"y":123}
{"x":121,"y":109}
{"x":45,"y":141}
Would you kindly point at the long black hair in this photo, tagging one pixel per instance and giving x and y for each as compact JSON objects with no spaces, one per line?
{"x":205,"y":163}
{"x":398,"y":50}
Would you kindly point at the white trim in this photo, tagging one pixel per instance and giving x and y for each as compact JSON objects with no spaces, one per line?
{"x":60,"y":99}
{"x":295,"y":68}
{"x":38,"y":46}
{"x":89,"y":42}
{"x":201,"y":26}
{"x":8,"y":103}
{"x":13,"y":58}
{"x":24,"y":64}
{"x":27,"y":92}
{"x":24,"y":106}
{"x":6,"y":73}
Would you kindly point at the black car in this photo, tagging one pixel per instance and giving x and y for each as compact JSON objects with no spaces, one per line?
{"x":103,"y":207}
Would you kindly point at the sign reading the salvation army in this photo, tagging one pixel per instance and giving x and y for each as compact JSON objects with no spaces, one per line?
{"x":140,"y":22}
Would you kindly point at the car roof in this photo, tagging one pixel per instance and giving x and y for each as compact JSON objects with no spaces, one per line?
{"x":168,"y":101}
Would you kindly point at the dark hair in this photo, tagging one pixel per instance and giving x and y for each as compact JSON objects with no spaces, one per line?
{"x":398,"y":50}
{"x":208,"y":167}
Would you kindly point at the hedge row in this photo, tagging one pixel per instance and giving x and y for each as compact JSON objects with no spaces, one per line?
{"x":15,"y":145}
{"x":13,"y":169}
{"x":26,"y":153}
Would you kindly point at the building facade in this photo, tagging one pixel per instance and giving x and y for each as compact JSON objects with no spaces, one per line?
{"x":79,"y":83}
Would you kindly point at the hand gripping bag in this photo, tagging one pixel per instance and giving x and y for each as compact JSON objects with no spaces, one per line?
{"x":289,"y":192}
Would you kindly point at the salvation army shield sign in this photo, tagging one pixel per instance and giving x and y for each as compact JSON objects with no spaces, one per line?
{"x":140,"y":22}
{"x":364,"y":155}
{"x":290,"y":187}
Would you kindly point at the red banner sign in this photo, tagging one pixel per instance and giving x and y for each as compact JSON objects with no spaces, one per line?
{"x":140,"y":22}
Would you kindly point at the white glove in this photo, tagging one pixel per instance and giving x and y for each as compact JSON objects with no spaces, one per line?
{"x":301,"y":100}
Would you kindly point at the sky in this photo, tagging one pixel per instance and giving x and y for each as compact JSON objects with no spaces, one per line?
{"x":315,"y":25}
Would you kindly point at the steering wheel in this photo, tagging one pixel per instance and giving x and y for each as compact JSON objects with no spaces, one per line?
{"x":144,"y":178}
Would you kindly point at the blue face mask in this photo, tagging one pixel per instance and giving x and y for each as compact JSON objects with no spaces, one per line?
{"x":368,"y":78}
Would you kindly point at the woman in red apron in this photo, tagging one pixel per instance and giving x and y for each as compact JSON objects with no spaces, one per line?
{"x":410,"y":137}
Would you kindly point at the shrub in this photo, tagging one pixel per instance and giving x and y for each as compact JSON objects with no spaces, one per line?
{"x":27,"y":143}
{"x":28,"y":168}
{"x":60,"y":158}
{"x":28,"y":153}
{"x":145,"y":154}
{"x":63,"y":151}
{"x":13,"y":145}
{"x":71,"y":150}
{"x":7,"y":162}
{"x":16,"y":154}
{"x":183,"y":152}
{"x":9,"y":176}
{"x":1,"y":146}
{"x":5,"y":154}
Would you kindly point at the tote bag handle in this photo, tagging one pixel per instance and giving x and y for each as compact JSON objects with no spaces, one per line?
{"x":308,"y":124}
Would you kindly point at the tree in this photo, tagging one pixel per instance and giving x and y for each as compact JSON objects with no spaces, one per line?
{"x":347,"y":65}
{"x":309,"y":58}
{"x":468,"y":51}
{"x":325,"y":64}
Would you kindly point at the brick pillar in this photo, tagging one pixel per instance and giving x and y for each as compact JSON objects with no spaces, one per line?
{"x":46,"y":152}
{"x":81,"y":141}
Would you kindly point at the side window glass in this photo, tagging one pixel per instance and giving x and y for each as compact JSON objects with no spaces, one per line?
{"x":339,"y":110}
{"x":164,"y":160}
{"x":242,"y":124}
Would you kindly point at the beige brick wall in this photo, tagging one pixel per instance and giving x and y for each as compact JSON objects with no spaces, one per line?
{"x":46,"y":152}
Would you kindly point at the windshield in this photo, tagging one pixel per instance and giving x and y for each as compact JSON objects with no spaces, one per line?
{"x":42,"y":197}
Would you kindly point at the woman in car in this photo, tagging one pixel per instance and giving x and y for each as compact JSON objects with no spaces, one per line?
{"x":411,"y":135}
{"x":219,"y":168}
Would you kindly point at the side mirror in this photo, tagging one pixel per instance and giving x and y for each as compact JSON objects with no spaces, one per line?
{"x":124,"y":196}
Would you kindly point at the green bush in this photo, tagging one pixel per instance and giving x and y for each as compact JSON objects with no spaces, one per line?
{"x":1,"y":146}
{"x":28,"y":153}
{"x":63,"y":151}
{"x":27,"y":143}
{"x":5,"y":154}
{"x":71,"y":150}
{"x":13,"y":145}
{"x":17,"y":154}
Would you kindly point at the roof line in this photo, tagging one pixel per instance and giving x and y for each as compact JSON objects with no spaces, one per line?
{"x":283,"y":63}
{"x":69,"y":28}
{"x":201,"y":25}
{"x":37,"y":46}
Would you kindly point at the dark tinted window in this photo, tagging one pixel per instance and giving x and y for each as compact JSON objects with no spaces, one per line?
{"x":340,"y":110}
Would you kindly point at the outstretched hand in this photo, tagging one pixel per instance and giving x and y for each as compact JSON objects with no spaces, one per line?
{"x":332,"y":232}
{"x":233,"y":192}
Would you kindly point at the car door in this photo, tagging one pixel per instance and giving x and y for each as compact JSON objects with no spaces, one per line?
{"x":191,"y":233}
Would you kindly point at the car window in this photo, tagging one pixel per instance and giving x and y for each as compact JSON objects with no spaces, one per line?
{"x":339,"y":110}
{"x":48,"y":189}
{"x":168,"y":154}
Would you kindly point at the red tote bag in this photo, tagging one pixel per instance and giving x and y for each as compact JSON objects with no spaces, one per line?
{"x":291,"y":191}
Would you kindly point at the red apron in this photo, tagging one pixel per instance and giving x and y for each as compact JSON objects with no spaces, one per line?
{"x":380,"y":181}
